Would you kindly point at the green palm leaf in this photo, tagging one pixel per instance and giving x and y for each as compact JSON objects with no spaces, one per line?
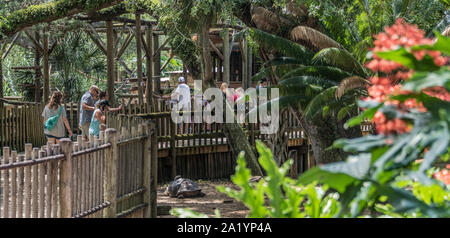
{"x":316,"y":105}
{"x":327,"y":72}
{"x":339,"y":58}
{"x":282,"y":45}
{"x":283,"y":102}
{"x":298,"y":85}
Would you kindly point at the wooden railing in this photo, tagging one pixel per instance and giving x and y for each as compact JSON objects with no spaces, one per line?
{"x":107,"y":176}
{"x":21,"y":124}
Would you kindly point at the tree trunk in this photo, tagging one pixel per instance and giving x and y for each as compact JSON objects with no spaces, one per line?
{"x":322,"y":134}
{"x":236,"y":136}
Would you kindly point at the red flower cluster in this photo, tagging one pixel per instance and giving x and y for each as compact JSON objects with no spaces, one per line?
{"x":443,"y":175}
{"x":390,"y":74}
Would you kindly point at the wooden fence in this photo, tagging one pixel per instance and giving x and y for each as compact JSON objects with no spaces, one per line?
{"x":109,"y":176}
{"x":21,"y":124}
{"x":201,"y":150}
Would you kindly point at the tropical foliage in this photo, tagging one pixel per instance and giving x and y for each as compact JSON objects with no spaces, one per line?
{"x":412,"y":119}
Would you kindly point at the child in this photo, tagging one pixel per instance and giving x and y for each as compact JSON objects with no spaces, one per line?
{"x":103,"y":97}
{"x":98,"y":118}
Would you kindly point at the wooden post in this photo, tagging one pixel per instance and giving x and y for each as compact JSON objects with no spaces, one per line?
{"x":110,"y":60}
{"x":6,"y":160}
{"x":226,"y":55}
{"x":173,"y":155}
{"x":147,"y":175}
{"x":154,"y":171}
{"x":156,"y":65}
{"x":249,"y":66}
{"x":65,"y":181}
{"x":139,"y":57}
{"x":46,"y":69}
{"x":1,"y":83}
{"x":37,"y":70}
{"x":148,"y":67}
{"x":27,"y":181}
{"x":110,"y":179}
{"x":244,"y":54}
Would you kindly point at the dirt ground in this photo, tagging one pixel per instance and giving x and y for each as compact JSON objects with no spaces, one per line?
{"x":228,"y":207}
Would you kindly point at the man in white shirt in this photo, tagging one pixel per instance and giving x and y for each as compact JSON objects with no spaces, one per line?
{"x":183,"y":95}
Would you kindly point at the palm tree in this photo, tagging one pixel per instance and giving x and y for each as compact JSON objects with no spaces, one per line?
{"x":320,"y":89}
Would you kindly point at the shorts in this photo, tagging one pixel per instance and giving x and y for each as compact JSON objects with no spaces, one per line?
{"x":51,"y":137}
{"x":85,"y":129}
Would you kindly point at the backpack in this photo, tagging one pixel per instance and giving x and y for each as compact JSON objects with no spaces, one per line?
{"x":50,"y":123}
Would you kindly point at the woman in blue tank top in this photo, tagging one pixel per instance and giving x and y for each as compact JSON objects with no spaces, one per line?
{"x":98,"y":118}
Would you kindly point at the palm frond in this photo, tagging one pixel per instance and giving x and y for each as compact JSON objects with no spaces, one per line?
{"x":267,"y":20}
{"x":350,"y":83}
{"x":295,"y":9}
{"x":277,"y":66}
{"x":346,"y":111}
{"x":328,"y":72}
{"x":399,"y":8}
{"x":361,"y":49}
{"x":446,"y":32}
{"x":283,"y":102}
{"x":298,"y":85}
{"x":339,"y":58}
{"x":316,"y":105}
{"x":284,"y":46}
{"x":304,"y":34}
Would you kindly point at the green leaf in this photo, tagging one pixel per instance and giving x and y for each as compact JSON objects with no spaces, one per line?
{"x":404,"y":201}
{"x":361,"y":144}
{"x":328,"y":72}
{"x":422,"y":80}
{"x":442,"y":44}
{"x":438,"y":147}
{"x":407,"y":59}
{"x":186,"y":213}
{"x":338,"y":181}
{"x":371,"y":108}
{"x":282,"y":45}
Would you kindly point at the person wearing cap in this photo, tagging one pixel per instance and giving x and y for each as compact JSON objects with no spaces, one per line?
{"x":183,"y":92}
{"x":103,"y":96}
{"x":87,"y":108}
{"x":98,"y":118}
{"x":262,"y":84}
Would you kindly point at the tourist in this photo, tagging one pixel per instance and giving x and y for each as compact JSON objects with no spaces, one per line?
{"x":54,"y":119}
{"x":98,"y":118}
{"x":227,"y":92}
{"x":262,"y":84}
{"x":183,"y":95}
{"x":103,"y":96}
{"x":87,"y":109}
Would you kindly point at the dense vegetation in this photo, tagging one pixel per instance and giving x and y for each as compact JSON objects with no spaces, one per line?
{"x":332,"y":60}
